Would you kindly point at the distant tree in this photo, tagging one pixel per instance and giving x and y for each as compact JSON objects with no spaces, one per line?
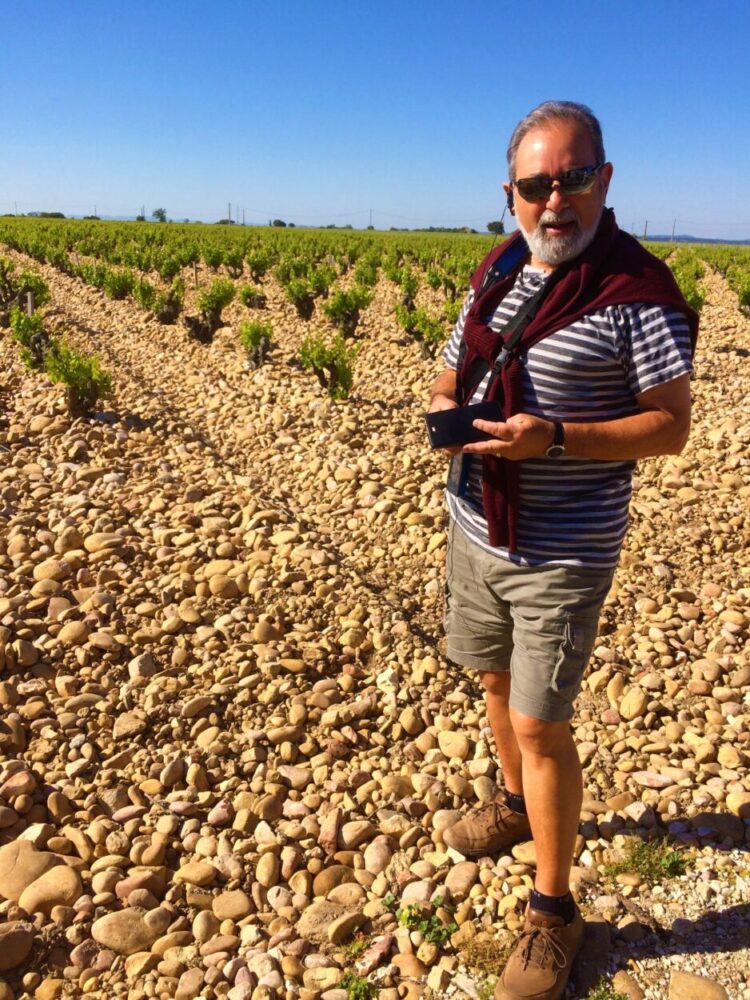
{"x":90,"y":218}
{"x":496,"y":227}
{"x":159,"y":215}
{"x":278,"y":222}
{"x":140,"y":218}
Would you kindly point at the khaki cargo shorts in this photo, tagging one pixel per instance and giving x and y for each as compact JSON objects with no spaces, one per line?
{"x":538,"y":622}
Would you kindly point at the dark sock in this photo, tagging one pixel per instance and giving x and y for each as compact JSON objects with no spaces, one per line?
{"x":558,"y":906}
{"x":515,"y":802}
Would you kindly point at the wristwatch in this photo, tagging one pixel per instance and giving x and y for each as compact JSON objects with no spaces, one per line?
{"x":557,"y":448}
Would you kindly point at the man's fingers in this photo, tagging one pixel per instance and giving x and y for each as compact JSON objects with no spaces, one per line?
{"x":492,"y":447}
{"x":497,"y":428}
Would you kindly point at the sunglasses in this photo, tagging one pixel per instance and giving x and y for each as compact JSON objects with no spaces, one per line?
{"x":570,"y":182}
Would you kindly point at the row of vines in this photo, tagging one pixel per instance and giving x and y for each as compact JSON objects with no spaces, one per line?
{"x":324,"y":273}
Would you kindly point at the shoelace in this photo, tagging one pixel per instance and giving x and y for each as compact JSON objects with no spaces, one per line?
{"x":541,"y":949}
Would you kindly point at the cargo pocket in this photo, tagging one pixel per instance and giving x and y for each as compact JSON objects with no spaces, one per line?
{"x":579,"y":633}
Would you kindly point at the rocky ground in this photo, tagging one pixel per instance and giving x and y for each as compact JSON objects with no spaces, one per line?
{"x":229,"y":742}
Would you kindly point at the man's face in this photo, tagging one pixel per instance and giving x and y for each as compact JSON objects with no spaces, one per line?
{"x":561,"y":227}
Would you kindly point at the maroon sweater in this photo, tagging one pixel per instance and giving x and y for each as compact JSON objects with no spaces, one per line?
{"x":613,"y":270}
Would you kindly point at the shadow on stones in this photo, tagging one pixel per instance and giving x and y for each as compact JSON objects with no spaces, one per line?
{"x":603,"y":952}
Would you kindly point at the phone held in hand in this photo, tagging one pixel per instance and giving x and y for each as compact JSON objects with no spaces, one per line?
{"x":450,"y":428}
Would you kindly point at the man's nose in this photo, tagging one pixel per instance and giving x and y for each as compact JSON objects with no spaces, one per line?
{"x":557,"y":198}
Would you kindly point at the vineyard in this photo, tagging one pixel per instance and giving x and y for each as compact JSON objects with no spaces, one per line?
{"x":229,"y":740}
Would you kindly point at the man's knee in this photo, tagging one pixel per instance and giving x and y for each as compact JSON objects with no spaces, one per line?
{"x":496,"y":682}
{"x":539,"y":737}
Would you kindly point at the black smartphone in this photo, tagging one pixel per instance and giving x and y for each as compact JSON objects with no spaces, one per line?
{"x":448,"y":428}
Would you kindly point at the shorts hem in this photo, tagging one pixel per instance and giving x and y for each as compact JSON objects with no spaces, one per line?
{"x":545,"y":712}
{"x":470,"y":662}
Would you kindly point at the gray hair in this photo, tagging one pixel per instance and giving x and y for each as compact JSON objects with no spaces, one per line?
{"x":552,"y":111}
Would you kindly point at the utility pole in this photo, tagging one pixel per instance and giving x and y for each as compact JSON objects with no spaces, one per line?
{"x":94,"y":209}
{"x":229,"y":211}
{"x":673,"y":225}
{"x":370,"y":218}
{"x":243,"y":216}
{"x":143,"y":211}
{"x":645,"y":228}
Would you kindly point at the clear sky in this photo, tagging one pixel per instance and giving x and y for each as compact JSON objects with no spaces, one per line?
{"x":318,"y":111}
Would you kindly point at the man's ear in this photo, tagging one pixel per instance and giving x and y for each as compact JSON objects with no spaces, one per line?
{"x":606,"y":175}
{"x":509,"y":198}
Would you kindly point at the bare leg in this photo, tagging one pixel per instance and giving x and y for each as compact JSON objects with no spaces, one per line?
{"x":553,"y":789}
{"x":497,"y":691}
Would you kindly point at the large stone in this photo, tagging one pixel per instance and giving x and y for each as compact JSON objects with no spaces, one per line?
{"x":196,"y":873}
{"x":232,"y":905}
{"x":342,"y":928}
{"x":719,"y":824}
{"x":633,"y":704}
{"x":623,"y":982}
{"x":378,"y":855}
{"x":16,"y":939}
{"x":461,"y":878}
{"x":316,"y":919}
{"x":739,"y":804}
{"x":20,"y":865}
{"x":376,"y":953}
{"x":267,"y":870}
{"x":73,"y":633}
{"x":60,"y":886}
{"x":454,"y":744}
{"x":686,"y":986}
{"x":125,"y":932}
{"x":335,"y":875}
{"x":357,"y":832}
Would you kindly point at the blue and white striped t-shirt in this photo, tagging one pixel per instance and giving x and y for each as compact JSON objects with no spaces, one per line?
{"x":574,"y":511}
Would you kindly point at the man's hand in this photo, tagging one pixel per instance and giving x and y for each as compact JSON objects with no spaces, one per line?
{"x":520,"y":436}
{"x":442,"y":402}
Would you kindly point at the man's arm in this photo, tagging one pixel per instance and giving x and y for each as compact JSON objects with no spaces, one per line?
{"x":443,"y":391}
{"x":660,"y":428}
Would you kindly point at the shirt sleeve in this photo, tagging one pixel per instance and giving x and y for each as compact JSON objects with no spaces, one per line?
{"x":450,"y":353}
{"x":657,"y":346}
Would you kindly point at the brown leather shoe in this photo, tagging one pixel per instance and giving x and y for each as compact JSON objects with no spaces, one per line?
{"x":487,"y":829}
{"x":540,"y":964}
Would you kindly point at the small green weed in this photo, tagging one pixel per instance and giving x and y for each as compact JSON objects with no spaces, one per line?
{"x":416,"y":918}
{"x":604,"y":991}
{"x":486,"y":987}
{"x":357,"y":987}
{"x":653,"y":860}
{"x":356,"y":946}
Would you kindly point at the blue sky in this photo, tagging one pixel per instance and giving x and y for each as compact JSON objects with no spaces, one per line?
{"x":316,"y":112}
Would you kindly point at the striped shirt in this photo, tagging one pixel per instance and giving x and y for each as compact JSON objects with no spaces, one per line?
{"x":574,"y":511}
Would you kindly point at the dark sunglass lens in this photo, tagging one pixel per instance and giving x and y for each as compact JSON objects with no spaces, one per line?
{"x":576,"y":181}
{"x":534,"y":188}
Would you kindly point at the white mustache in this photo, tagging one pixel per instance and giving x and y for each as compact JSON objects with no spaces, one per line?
{"x":549,"y":218}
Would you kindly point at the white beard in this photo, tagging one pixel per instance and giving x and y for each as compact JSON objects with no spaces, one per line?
{"x":555,"y":250}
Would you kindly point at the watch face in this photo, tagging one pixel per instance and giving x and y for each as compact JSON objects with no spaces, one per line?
{"x":555,"y":451}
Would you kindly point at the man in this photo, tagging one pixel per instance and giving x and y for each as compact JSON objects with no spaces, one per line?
{"x":599,"y":379}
